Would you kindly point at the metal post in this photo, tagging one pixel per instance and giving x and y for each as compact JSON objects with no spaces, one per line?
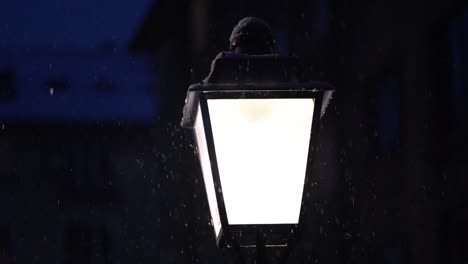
{"x":260,"y":249}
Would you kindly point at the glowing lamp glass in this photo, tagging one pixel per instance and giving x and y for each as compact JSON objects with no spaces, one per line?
{"x":261,"y":148}
{"x":207,"y":173}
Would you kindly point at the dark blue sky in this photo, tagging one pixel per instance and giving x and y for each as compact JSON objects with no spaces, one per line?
{"x":69,"y":23}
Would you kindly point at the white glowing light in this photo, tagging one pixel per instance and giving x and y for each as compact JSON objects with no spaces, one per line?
{"x":207,"y":174}
{"x":262,"y":147}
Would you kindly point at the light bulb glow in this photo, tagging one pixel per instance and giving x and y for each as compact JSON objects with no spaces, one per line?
{"x":262,"y":148}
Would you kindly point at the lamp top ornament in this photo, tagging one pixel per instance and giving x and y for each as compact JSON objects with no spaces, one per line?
{"x":252,"y":65}
{"x":252,"y":36}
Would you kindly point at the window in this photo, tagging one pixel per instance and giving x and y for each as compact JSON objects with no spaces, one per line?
{"x":104,"y":84}
{"x":388,"y":113}
{"x":56,"y":84}
{"x":4,"y":241}
{"x":7,"y":84}
{"x":458,"y":41}
{"x":86,"y":243}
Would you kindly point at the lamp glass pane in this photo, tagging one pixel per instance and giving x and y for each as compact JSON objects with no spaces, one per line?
{"x":207,"y":173}
{"x":262,"y":147}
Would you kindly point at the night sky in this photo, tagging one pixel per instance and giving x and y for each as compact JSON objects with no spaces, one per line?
{"x":69,"y":24}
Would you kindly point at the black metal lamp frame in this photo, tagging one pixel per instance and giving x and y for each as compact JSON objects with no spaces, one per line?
{"x":256,"y":235}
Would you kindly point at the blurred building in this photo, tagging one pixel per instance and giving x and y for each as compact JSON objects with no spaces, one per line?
{"x":76,"y":148}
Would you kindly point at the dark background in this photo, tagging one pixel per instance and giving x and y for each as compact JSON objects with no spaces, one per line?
{"x":94,"y":167}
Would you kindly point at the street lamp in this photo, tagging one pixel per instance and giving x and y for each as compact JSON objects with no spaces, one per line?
{"x":255,"y":125}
